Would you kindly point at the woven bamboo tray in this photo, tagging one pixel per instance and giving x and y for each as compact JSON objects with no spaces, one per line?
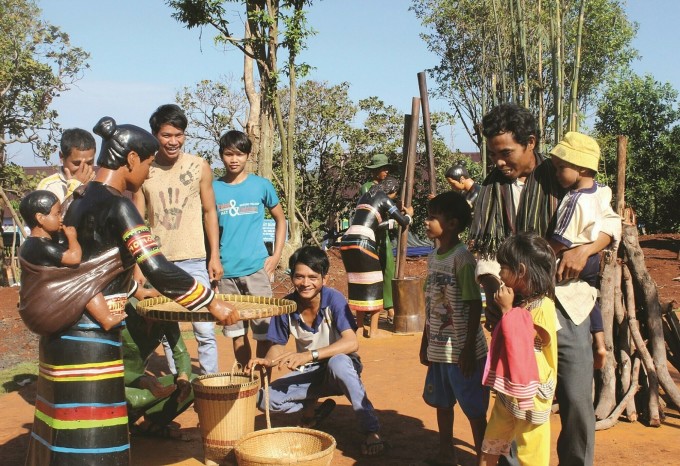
{"x":248,"y":307}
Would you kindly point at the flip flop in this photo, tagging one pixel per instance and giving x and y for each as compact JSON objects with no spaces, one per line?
{"x":368,"y":446}
{"x":320,"y":413}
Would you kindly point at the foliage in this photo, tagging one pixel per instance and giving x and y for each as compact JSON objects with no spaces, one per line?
{"x":37,"y":64}
{"x":269,"y":28}
{"x":495,"y":51}
{"x":212,"y":108}
{"x":15,"y":377}
{"x":647,"y":112}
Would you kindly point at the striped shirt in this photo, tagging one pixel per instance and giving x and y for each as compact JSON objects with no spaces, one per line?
{"x":449,"y":288}
{"x":59,"y":185}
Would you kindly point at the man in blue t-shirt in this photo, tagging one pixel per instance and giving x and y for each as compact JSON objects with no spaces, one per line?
{"x":325,"y":362}
{"x":241,"y":201}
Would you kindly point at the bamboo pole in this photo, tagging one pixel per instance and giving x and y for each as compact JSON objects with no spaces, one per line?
{"x":422,"y":86}
{"x":621,"y":154}
{"x":408,"y":183}
{"x":405,"y":145}
{"x":573,"y":124}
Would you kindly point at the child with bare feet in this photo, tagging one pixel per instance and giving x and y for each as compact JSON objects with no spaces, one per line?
{"x":579,"y":220}
{"x":453,"y":344}
{"x":41,"y":210}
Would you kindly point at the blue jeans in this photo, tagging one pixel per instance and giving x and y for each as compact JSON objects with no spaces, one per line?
{"x":203,"y":331}
{"x":340,"y":375}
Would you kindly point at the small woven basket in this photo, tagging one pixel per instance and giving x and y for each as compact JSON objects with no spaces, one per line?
{"x":284,"y":445}
{"x":226,"y":406}
{"x":248,"y":307}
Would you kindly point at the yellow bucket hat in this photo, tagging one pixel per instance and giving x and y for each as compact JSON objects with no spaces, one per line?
{"x":579,"y":149}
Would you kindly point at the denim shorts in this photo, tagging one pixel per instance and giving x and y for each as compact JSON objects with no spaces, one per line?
{"x":445,"y":385}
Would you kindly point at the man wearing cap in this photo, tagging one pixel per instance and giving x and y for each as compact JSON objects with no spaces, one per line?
{"x":522,"y":193}
{"x":381,"y":166}
{"x":459,"y":179}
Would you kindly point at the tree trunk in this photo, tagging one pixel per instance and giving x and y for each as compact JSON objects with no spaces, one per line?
{"x":253,"y":123}
{"x":648,"y":362}
{"x":607,"y":375}
{"x":651,"y":300}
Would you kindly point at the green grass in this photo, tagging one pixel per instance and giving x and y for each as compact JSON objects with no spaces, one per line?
{"x":12,"y":377}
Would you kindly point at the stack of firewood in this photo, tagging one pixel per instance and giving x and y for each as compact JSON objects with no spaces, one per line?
{"x":639,"y":331}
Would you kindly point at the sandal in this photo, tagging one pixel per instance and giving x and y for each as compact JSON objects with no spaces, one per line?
{"x":320,"y":413}
{"x":154,"y":430}
{"x":374,"y":446}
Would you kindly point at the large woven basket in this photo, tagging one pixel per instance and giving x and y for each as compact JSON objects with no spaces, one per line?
{"x":284,"y":445}
{"x":248,"y":307}
{"x":226,"y":407}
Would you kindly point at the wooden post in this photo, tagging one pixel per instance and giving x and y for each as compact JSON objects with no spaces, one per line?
{"x":422,"y":85}
{"x":408,"y":183}
{"x":621,"y":149}
{"x":407,"y":131}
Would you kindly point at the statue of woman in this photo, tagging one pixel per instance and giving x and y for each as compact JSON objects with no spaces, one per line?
{"x":80,"y":412}
{"x":375,"y":212}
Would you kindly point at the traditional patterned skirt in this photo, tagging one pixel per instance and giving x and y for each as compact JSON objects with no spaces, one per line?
{"x":364,"y":275}
{"x":80,"y":411}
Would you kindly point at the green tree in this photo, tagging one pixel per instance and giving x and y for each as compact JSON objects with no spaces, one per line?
{"x":270,"y":27}
{"x":37,"y":64}
{"x":524,"y":51}
{"x":212,"y":108}
{"x":647,"y":112}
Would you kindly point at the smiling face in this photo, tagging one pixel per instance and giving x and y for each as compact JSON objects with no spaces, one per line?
{"x":171,"y":140}
{"x":510,"y":157}
{"x":307,"y":282}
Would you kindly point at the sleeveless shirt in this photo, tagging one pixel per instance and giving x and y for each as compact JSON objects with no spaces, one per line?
{"x":173,"y":200}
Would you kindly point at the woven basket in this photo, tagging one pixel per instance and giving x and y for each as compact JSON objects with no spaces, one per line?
{"x":284,"y":445}
{"x":226,"y":407}
{"x":248,"y":307}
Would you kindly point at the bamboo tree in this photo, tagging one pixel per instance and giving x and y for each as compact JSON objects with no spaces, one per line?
{"x":573,"y":121}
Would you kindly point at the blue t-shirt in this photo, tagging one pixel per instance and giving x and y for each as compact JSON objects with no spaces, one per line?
{"x":240,"y":214}
{"x":341,"y":316}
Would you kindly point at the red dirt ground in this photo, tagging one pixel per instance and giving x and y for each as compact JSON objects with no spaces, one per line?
{"x":393,"y":378}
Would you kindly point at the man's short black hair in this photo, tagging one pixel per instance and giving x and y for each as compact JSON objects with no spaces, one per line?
{"x":168,"y":114}
{"x":75,"y":138}
{"x":235,"y":139}
{"x":312,"y":257}
{"x":451,"y":205}
{"x":510,"y":118}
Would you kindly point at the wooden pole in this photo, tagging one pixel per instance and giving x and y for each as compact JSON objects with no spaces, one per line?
{"x":621,"y":153}
{"x":407,"y":131}
{"x":422,"y":85}
{"x":408,"y":183}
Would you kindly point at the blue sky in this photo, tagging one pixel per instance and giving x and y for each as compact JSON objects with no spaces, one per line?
{"x":140,"y":56}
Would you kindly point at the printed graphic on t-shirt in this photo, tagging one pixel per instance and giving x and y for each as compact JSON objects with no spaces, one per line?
{"x":230,"y":208}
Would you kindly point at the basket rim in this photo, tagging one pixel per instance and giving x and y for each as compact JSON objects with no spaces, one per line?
{"x":254,"y":379}
{"x":240,"y":454}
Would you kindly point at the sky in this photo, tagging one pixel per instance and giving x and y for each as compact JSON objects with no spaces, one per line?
{"x":141,"y":56}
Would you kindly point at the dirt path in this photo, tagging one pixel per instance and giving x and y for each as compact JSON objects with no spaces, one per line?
{"x":393,"y":378}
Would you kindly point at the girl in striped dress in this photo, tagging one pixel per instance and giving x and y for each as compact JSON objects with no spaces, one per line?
{"x":527,"y":330}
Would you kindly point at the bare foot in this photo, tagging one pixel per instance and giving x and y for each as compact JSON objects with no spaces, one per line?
{"x":373,"y":445}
